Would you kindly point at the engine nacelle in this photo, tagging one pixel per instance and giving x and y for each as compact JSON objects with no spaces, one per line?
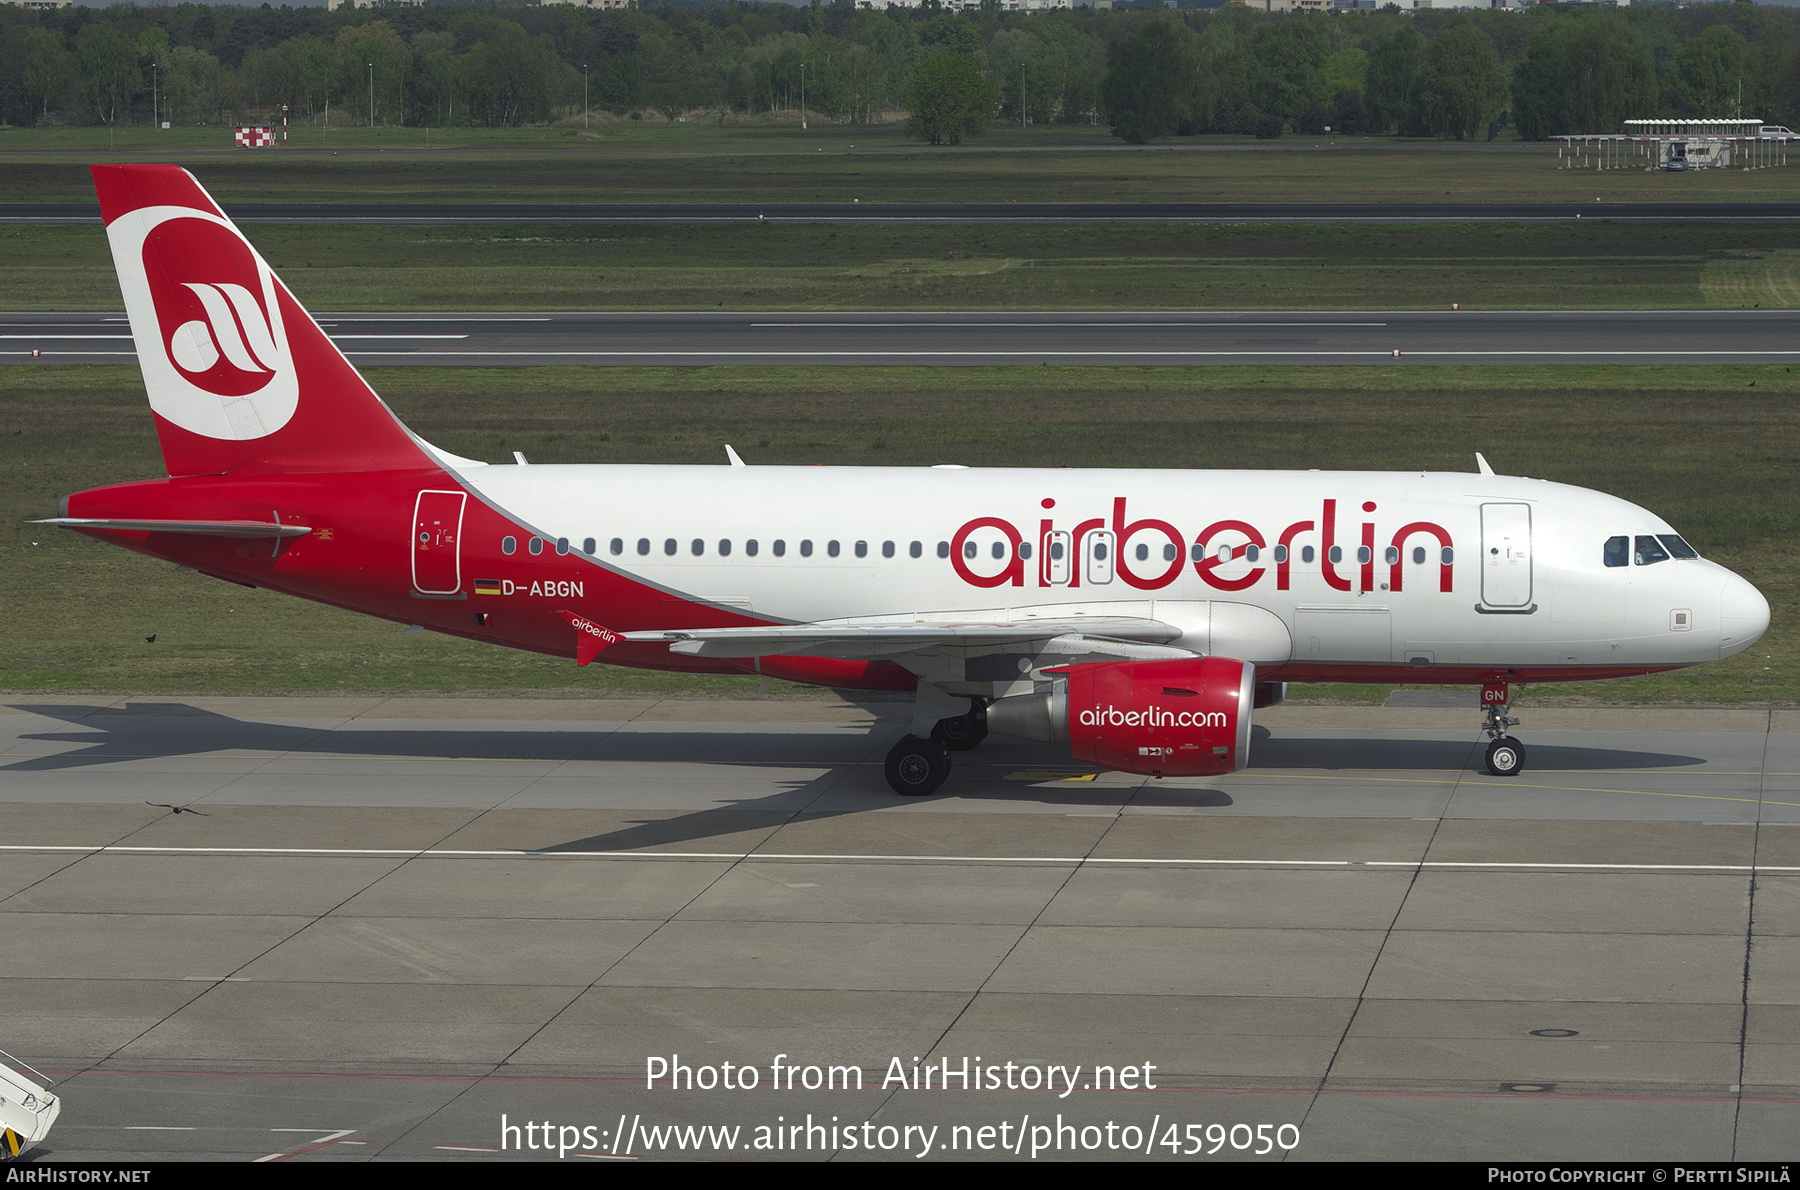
{"x":1188,"y":718}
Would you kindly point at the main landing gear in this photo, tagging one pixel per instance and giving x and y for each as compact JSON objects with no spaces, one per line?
{"x":1505,"y":755}
{"x":917,"y":765}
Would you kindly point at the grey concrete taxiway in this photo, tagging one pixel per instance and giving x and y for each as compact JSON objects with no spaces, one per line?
{"x":364,"y":928}
{"x":1386,"y":338}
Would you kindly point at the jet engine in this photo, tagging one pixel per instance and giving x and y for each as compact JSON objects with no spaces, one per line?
{"x":1186,"y":718}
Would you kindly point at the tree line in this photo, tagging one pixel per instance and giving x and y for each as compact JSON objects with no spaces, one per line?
{"x":1145,"y":73}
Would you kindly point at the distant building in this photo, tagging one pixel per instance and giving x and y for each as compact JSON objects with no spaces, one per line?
{"x":39,"y":5}
{"x":334,"y":5}
{"x":602,"y":3}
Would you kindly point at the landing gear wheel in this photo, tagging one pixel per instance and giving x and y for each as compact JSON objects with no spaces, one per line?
{"x":962,"y":732}
{"x":1505,"y":757}
{"x":916,"y":767}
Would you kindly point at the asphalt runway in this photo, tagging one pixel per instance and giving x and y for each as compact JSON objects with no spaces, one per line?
{"x":991,"y":338}
{"x":430,"y":214}
{"x":379,"y":926}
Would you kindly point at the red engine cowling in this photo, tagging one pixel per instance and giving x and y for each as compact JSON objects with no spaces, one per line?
{"x":1187,"y":718}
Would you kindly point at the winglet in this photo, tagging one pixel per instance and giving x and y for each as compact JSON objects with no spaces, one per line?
{"x":1483,"y":464}
{"x":590,"y":638}
{"x":733,"y":456}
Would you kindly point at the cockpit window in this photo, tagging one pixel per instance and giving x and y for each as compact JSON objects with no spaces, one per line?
{"x":1648,"y":552}
{"x":1677,"y":548}
{"x":1618,"y":551}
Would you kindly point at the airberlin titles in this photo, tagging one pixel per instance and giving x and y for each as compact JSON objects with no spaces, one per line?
{"x":1103,"y":545}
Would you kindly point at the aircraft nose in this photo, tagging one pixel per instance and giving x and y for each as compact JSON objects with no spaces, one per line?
{"x":1743,"y":616}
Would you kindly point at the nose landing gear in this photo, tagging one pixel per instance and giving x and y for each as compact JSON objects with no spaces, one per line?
{"x":1505,"y":755}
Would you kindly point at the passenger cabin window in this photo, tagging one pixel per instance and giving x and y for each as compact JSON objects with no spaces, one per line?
{"x":724,"y":547}
{"x":562,"y":546}
{"x":750,"y":547}
{"x":887,"y":549}
{"x":1618,"y":551}
{"x":1024,"y":549}
{"x":1306,"y":553}
{"x":697,"y":547}
{"x":780,"y":547}
{"x":1281,"y":554}
{"x":616,"y":545}
{"x":1418,"y":553}
{"x":535,"y":545}
{"x":670,"y":546}
{"x":862,"y":549}
{"x":916,"y":549}
{"x":643,"y":545}
{"x":509,"y":545}
{"x":806,"y":547}
{"x":999,"y":549}
{"x":588,"y":546}
{"x":831,"y":548}
{"x":1648,"y":551}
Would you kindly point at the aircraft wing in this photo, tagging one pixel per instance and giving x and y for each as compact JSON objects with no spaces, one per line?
{"x":891,"y":637}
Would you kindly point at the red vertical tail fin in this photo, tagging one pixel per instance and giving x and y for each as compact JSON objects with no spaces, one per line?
{"x":240,"y":377}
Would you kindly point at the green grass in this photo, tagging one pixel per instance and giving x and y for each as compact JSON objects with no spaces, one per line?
{"x":1712,"y":449}
{"x":1591,"y":264}
{"x":775,"y":162}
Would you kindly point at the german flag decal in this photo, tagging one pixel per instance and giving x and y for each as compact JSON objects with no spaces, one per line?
{"x":487,"y":586}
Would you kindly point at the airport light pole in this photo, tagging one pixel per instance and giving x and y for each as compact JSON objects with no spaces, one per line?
{"x":803,"y":97}
{"x":584,"y":89}
{"x":1021,"y":97}
{"x":155,"y":121}
{"x":371,"y":95}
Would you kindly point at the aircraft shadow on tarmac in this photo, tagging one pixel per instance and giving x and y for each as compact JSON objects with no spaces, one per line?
{"x":1004,"y":770}
{"x":140,"y":731}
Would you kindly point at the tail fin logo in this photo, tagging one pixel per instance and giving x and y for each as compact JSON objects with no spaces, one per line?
{"x":206,"y":316}
{"x":232,"y":316}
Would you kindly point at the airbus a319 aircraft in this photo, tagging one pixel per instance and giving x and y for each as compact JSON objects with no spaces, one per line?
{"x":1137,"y":616}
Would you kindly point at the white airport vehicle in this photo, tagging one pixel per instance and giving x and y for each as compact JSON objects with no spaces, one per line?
{"x":27,"y":1109}
{"x":1139,"y":616}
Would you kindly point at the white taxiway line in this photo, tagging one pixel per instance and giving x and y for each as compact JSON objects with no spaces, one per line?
{"x":1216,"y":326}
{"x":798,"y":857}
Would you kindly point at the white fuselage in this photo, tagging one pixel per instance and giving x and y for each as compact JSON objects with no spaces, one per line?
{"x":1430,"y":569}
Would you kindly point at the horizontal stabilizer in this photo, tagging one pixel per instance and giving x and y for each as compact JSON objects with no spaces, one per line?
{"x":244,"y":529}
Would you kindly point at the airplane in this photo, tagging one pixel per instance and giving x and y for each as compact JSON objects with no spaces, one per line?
{"x":1139,"y":617}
